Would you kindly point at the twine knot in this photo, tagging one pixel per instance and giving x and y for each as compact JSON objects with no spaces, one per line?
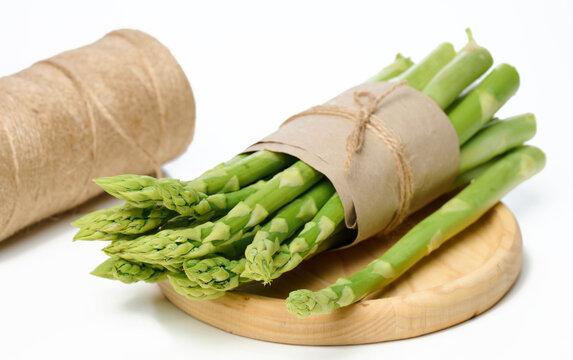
{"x":365,"y":118}
{"x":355,"y":139}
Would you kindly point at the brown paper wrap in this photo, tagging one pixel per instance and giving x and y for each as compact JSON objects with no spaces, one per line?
{"x":120,"y":105}
{"x":372,"y":191}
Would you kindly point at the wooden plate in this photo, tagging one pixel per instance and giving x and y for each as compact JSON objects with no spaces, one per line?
{"x":463,"y":278}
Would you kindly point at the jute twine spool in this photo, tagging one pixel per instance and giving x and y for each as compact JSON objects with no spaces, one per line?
{"x":120,"y":105}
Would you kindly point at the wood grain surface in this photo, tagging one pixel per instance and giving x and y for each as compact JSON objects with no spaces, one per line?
{"x":465,"y":277}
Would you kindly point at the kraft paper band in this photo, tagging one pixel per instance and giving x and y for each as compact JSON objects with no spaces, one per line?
{"x":409,"y":146}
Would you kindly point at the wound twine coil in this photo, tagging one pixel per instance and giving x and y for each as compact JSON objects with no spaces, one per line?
{"x":120,"y":105}
{"x":365,"y":119}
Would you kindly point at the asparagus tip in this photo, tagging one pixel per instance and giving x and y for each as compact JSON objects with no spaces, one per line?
{"x":301,"y":303}
{"x":176,"y":197}
{"x":104,"y":270}
{"x":405,"y":59}
{"x":83,"y":234}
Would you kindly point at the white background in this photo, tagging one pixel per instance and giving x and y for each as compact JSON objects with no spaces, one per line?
{"x":251,"y":64}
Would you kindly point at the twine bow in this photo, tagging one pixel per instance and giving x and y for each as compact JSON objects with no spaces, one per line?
{"x":355,"y":140}
{"x":365,"y":118}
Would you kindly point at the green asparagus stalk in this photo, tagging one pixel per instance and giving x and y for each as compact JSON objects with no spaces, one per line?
{"x":457,"y":214}
{"x":190,"y":289}
{"x":468,"y":65}
{"x":129,"y":272}
{"x":235,"y":159}
{"x":419,"y":75}
{"x":214,"y":205}
{"x":144,"y":191}
{"x":221,"y":272}
{"x":321,"y":227}
{"x":285,"y":223}
{"x":136,"y":190}
{"x":96,"y":235}
{"x":478,"y":107}
{"x":179,"y":245}
{"x":468,"y":176}
{"x":399,"y":65}
{"x":496,"y":139}
{"x":122,"y":219}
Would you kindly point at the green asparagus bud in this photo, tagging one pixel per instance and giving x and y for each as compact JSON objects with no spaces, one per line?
{"x":454,"y":216}
{"x":190,"y":289}
{"x":128,"y":272}
{"x":123,"y":219}
{"x":177,"y":196}
{"x":259,"y":254}
{"x":221,"y":272}
{"x":136,"y":190}
{"x":217,"y":272}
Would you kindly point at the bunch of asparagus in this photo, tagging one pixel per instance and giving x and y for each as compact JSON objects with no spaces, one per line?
{"x":259,"y":215}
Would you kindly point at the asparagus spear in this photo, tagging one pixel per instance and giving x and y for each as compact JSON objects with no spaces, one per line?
{"x":495,"y":139}
{"x":190,"y":289}
{"x":136,"y":190}
{"x":221,"y":272}
{"x":468,"y":176}
{"x":235,"y":159}
{"x":144,"y":191}
{"x":468,"y":65}
{"x":176,"y":246}
{"x":293,"y":216}
{"x":478,"y":107}
{"x":323,"y":225}
{"x":419,"y":75}
{"x":399,"y":65}
{"x":224,"y":273}
{"x":457,"y":214}
{"x":212,"y":205}
{"x":122,"y":219}
{"x":96,"y":235}
{"x":217,"y":272}
{"x":129,"y":272}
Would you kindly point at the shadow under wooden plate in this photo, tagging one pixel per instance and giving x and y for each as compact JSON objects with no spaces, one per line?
{"x":465,"y":277}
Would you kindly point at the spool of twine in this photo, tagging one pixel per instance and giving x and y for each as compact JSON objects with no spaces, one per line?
{"x":120,"y":105}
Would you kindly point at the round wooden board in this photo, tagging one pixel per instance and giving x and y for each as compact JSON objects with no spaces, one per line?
{"x":463,"y":278}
